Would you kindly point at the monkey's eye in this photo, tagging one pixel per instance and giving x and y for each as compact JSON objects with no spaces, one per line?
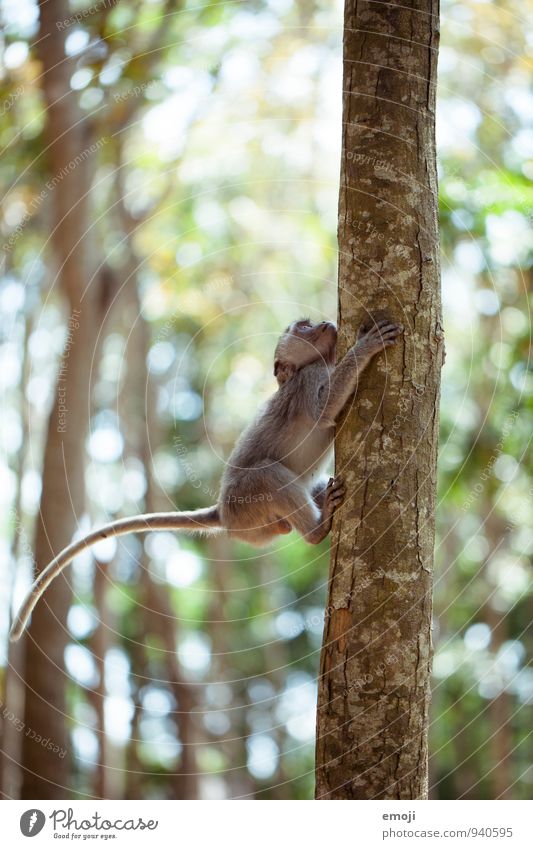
{"x":303,"y":324}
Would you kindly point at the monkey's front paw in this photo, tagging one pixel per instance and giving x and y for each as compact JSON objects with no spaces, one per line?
{"x":335,"y":494}
{"x":378,"y":336}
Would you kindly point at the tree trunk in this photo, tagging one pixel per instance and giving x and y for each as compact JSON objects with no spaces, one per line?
{"x":222,"y":565}
{"x":13,"y":684}
{"x":375,"y":664}
{"x":46,"y":775}
{"x":500,"y":707}
{"x":97,"y":695}
{"x":158,"y":612}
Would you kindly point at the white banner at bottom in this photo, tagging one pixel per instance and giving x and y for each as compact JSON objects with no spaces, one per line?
{"x":267,"y":825}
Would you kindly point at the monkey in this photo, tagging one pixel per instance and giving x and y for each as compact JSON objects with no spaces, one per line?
{"x":272,"y":482}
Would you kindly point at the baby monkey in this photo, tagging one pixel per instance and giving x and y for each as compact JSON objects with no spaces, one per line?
{"x":271,"y":482}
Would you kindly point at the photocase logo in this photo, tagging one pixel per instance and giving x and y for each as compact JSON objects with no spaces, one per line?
{"x":32,"y":822}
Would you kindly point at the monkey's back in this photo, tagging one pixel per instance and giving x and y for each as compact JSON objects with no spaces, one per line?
{"x":284,"y":436}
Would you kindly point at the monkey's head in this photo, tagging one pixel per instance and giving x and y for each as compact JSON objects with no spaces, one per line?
{"x":302,"y":343}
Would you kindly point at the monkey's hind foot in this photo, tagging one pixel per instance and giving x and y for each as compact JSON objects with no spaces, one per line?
{"x":335,"y":495}
{"x":333,"y":498}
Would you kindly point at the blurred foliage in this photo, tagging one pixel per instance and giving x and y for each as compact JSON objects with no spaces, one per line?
{"x":219,"y":132}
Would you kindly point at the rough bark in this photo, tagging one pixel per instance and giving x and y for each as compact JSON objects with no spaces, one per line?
{"x":375,"y":664}
{"x":45,"y":774}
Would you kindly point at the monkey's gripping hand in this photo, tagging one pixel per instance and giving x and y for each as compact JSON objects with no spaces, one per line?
{"x":373,"y":338}
{"x":345,"y":377}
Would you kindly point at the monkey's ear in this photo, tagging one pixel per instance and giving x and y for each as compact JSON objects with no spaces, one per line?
{"x":283,"y":371}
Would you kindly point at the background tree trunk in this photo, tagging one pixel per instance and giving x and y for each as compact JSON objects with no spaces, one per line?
{"x":376,"y":656}
{"x":11,"y":745}
{"x":45,"y":775}
{"x":161,"y":621}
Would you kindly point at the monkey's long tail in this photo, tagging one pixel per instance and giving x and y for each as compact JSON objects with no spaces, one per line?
{"x":193,"y":520}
